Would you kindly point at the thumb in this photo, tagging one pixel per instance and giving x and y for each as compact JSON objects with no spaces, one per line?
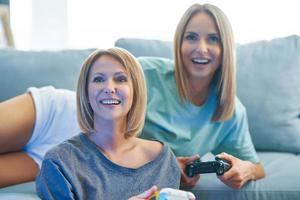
{"x":225,"y":156}
{"x":186,"y":160}
{"x":194,"y":157}
{"x":148,"y":193}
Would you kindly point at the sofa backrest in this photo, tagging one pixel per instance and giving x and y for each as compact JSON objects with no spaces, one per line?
{"x":143,"y":47}
{"x":268,"y":84}
{"x":268,"y":81}
{"x":22,"y":69}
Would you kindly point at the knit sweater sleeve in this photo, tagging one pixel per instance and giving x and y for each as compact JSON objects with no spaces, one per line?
{"x":52,"y":183}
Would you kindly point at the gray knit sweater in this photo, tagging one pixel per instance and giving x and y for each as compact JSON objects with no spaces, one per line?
{"x":76,"y":169}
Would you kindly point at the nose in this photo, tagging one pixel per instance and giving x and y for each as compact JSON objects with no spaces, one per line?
{"x":202,"y":46}
{"x":110,"y":88}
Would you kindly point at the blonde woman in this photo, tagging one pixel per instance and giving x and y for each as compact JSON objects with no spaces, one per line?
{"x":107,"y":160}
{"x":200,"y":111}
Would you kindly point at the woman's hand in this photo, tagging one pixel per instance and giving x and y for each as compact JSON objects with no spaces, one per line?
{"x":145,"y":195}
{"x":185,"y":180}
{"x":240,"y":171}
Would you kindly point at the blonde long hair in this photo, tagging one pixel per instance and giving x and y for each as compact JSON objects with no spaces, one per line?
{"x":225,"y":75}
{"x":136,"y":114}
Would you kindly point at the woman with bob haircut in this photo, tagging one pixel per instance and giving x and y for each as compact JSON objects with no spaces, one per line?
{"x":107,"y":160}
{"x":136,"y":115}
{"x":192,"y":104}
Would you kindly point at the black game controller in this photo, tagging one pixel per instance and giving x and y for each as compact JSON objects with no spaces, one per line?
{"x":219,"y":167}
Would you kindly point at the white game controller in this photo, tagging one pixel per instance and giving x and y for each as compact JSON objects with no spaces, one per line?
{"x":172,"y":194}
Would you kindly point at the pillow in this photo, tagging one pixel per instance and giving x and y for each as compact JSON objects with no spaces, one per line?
{"x":22,"y":69}
{"x":268,"y":84}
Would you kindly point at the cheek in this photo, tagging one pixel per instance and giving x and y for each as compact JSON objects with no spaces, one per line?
{"x":127,"y":93}
{"x":92,"y":92}
{"x":184,"y":49}
{"x":218,"y":52}
{"x":219,"y":56}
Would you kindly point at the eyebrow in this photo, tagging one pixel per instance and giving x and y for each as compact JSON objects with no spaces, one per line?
{"x":190,"y":32}
{"x":214,"y":34}
{"x":195,"y":33}
{"x":117,"y":73}
{"x":121,"y":73}
{"x":98,"y":73}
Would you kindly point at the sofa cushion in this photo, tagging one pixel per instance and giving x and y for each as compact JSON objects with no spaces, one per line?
{"x":282,"y":181}
{"x":22,"y":69}
{"x":24,"y":191}
{"x":268,"y":84}
{"x":268,"y":76}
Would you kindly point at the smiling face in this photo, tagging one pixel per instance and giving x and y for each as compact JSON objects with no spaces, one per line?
{"x":201,"y":47}
{"x":110,"y":90}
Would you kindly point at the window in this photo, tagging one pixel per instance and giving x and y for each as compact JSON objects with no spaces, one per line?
{"x":56,"y":24}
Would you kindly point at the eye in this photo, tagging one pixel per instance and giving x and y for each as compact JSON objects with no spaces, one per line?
{"x":98,"y":79}
{"x":214,"y":39}
{"x":191,"y":37}
{"x":121,"y":78}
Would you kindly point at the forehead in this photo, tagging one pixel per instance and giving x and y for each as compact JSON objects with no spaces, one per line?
{"x":202,"y":22}
{"x":107,"y":63}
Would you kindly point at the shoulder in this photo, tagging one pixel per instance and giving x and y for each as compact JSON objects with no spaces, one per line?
{"x":239,"y":111}
{"x":156,"y":63}
{"x":52,"y":92}
{"x":52,"y":100}
{"x":158,"y":72}
{"x":64,"y":150}
{"x":151,"y":148}
{"x":239,"y":117}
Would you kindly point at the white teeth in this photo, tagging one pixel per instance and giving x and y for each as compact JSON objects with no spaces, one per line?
{"x":110,"y":102}
{"x":200,"y":61}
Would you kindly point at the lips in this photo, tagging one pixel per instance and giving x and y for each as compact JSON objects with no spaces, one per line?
{"x":202,"y":61}
{"x":110,"y":102}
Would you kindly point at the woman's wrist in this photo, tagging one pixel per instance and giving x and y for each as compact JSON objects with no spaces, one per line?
{"x":256,"y":171}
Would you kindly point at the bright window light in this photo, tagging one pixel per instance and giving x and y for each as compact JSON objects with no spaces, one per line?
{"x":99,"y":23}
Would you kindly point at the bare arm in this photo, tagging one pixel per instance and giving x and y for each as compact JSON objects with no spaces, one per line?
{"x":241,"y":171}
{"x":16,"y":168}
{"x":17,"y":118}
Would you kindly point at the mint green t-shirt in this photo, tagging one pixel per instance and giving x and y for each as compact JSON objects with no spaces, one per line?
{"x":187,"y":128}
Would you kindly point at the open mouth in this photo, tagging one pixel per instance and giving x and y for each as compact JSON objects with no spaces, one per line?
{"x":201,"y":61}
{"x":110,"y":102}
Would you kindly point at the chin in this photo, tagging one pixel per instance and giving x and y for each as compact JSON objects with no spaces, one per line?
{"x":111,"y":116}
{"x":201,"y":75}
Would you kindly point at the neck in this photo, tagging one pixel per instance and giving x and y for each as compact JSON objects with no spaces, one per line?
{"x":109,"y":135}
{"x":199,"y":90}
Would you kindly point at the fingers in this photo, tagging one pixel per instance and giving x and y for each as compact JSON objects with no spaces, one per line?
{"x":149,"y":192}
{"x":186,"y":160}
{"x":236,"y":176}
{"x":185,"y":180}
{"x":189,"y":181}
{"x":225,"y":156}
{"x":232,"y":171}
{"x":146,"y":194}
